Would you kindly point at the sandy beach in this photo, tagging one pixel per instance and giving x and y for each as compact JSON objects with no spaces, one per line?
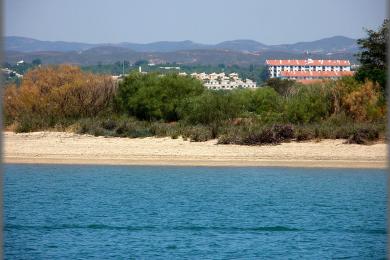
{"x":70,"y":148}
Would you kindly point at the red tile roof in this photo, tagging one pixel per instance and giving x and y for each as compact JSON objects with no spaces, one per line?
{"x":316,"y":73}
{"x":308,"y":62}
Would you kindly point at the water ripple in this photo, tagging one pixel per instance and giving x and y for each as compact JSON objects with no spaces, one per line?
{"x":189,"y":228}
{"x":143,"y":228}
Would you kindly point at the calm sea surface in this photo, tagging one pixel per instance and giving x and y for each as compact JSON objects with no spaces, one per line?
{"x":104,"y":212}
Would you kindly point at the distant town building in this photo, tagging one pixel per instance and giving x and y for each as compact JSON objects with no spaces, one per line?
{"x":219,"y":81}
{"x":10,"y":73}
{"x":308,"y":70}
{"x":170,"y":68}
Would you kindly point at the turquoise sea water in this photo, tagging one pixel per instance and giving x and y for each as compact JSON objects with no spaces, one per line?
{"x":106,"y":212}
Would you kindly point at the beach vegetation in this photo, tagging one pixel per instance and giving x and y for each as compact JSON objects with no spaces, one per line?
{"x":143,"y":105}
{"x":153,"y":97}
{"x":52,"y":94}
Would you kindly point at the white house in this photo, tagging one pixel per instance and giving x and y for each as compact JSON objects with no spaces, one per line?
{"x":219,"y":81}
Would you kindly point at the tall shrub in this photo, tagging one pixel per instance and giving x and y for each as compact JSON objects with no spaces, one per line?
{"x":363,"y":103}
{"x":155,"y":97}
{"x":308,"y":104}
{"x":210,"y":108}
{"x":54,"y":93}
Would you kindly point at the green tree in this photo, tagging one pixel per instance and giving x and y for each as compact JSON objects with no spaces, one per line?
{"x":36,"y":62}
{"x":308,"y":104}
{"x":211,"y":108}
{"x":155,"y":97}
{"x":282,"y":86}
{"x":266,"y":100}
{"x":373,"y":56}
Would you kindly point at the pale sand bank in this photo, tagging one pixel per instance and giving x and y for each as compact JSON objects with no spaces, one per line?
{"x":69,"y":148}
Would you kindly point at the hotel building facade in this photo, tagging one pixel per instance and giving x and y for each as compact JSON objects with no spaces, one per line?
{"x":308,"y":70}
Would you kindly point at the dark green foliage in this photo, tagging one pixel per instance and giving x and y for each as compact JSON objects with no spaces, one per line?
{"x":36,"y":62}
{"x":28,"y":124}
{"x":308,"y":104}
{"x":154,"y":97}
{"x":214,"y":108}
{"x":265,"y":100}
{"x":141,"y":63}
{"x":210,"y":108}
{"x":374,"y":54}
{"x":120,"y":127}
{"x":268,"y":104}
{"x":374,"y":74}
{"x":282,"y":86}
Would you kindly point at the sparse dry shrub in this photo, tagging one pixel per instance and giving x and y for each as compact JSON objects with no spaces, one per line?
{"x":283,"y":132}
{"x":197,"y":133}
{"x":363,"y":136}
{"x":53,"y":93}
{"x":339,"y":90}
{"x":257,"y":135}
{"x":362,"y":104}
{"x":303,"y":134}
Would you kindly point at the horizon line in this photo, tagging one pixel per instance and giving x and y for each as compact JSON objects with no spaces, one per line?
{"x":173,"y":41}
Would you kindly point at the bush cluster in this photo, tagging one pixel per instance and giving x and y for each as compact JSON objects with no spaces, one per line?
{"x":155,"y":97}
{"x":63,"y":97}
{"x":258,"y":135}
{"x":49,"y":95}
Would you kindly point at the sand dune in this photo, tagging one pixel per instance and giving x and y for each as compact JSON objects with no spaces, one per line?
{"x":69,"y":148}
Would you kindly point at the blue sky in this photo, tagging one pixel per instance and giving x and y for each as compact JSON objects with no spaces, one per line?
{"x":204,"y":21}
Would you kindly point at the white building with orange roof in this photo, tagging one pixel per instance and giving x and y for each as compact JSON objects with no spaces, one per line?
{"x":308,"y":70}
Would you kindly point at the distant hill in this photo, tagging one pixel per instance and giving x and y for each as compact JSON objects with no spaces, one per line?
{"x":240,"y":52}
{"x":23,"y":44}
{"x":327,"y":45}
{"x":163,"y":46}
{"x":242,"y":45}
{"x":112,"y":54}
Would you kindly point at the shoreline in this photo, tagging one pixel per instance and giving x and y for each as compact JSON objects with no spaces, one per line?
{"x":69,"y":148}
{"x":194,"y":163}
